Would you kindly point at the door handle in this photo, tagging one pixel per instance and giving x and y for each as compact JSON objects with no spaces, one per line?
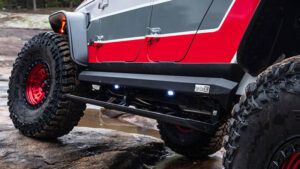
{"x":103,"y":4}
{"x":154,"y":35}
{"x":154,"y":31}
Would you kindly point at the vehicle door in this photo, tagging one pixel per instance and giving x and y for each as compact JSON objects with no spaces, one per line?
{"x":122,"y":29}
{"x":173,"y":26}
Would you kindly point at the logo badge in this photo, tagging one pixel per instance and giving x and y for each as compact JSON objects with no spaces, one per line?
{"x":202,"y":88}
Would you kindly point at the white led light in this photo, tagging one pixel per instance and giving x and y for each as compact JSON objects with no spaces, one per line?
{"x":116,"y":87}
{"x":171,"y":93}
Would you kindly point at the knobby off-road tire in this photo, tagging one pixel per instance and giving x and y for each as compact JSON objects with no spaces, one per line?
{"x":190,"y":143}
{"x":265,"y":131}
{"x":44,"y":59}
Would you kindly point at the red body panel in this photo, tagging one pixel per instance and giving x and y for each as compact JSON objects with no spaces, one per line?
{"x":222,"y":45}
{"x":172,"y":48}
{"x":219,"y":46}
{"x":115,"y":51}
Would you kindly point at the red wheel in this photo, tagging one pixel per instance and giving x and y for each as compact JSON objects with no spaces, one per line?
{"x":287,"y":156}
{"x":192,"y":143}
{"x":36,"y":84}
{"x":293,"y":162}
{"x":184,"y":129}
{"x":42,"y":74}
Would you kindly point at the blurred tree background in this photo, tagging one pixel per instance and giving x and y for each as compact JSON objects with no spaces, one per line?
{"x":34,"y":4}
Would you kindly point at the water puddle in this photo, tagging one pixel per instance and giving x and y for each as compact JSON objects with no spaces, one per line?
{"x":175,"y":161}
{"x":93,"y":118}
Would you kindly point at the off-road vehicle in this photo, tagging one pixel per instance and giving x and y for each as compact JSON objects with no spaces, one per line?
{"x":185,"y":63}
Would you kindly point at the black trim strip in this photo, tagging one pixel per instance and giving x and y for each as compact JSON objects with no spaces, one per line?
{"x":185,"y":84}
{"x":231,"y":72}
{"x":185,"y":122}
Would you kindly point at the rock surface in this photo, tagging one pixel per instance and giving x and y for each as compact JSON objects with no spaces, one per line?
{"x":82,"y":148}
{"x":140,"y":121}
{"x":13,"y":40}
{"x":180,"y":162}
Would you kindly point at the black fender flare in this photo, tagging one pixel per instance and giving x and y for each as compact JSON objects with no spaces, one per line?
{"x":265,"y":39}
{"x":255,"y":52}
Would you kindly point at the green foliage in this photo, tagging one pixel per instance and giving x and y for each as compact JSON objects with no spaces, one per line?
{"x":3,"y":3}
{"x":40,"y":3}
{"x":63,"y":3}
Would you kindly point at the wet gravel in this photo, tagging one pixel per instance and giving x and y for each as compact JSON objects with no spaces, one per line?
{"x":4,"y":115}
{"x":12,"y":40}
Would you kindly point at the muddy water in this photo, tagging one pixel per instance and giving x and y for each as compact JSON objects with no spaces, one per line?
{"x":175,"y":161}
{"x":93,"y":118}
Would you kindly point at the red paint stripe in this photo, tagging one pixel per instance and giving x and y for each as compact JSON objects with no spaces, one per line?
{"x":214,"y":47}
{"x":116,"y":51}
{"x":221,"y":46}
{"x":171,"y":48}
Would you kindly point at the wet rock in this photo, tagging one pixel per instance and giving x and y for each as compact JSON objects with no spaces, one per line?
{"x":4,"y":115}
{"x":82,"y":148}
{"x":4,"y":75}
{"x":12,"y":40}
{"x":140,"y":121}
{"x":111,"y":113}
{"x":175,"y":161}
{"x":180,"y":163}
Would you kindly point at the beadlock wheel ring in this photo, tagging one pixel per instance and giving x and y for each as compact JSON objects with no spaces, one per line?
{"x":287,"y":156}
{"x":293,"y":162}
{"x":37,"y":84}
{"x":184,"y":129}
